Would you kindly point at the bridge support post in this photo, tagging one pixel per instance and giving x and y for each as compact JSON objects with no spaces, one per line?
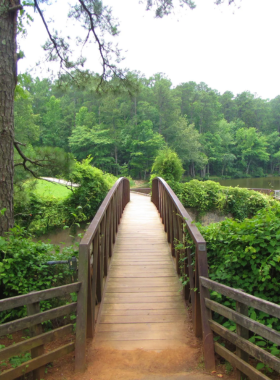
{"x":206,"y":315}
{"x":81,"y":326}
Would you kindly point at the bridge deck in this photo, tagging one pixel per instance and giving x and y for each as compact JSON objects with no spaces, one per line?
{"x":142,"y":306}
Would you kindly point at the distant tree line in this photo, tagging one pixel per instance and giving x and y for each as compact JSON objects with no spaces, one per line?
{"x":123,"y":127}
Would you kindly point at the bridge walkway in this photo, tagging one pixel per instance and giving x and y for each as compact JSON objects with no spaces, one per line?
{"x":142,"y":305}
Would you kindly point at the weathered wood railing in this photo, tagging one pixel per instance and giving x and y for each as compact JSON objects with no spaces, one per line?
{"x":38,"y":339}
{"x":95,"y":250}
{"x":244,"y":324}
{"x":176,"y":222}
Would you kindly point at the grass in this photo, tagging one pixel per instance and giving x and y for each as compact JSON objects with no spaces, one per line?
{"x":45,"y":189}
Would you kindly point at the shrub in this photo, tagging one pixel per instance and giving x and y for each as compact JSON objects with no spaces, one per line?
{"x":246,"y":254}
{"x":167,"y":165}
{"x":93,"y":189}
{"x":23,"y":269}
{"x":209,"y":195}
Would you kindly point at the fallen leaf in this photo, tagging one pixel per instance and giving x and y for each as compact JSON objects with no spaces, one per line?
{"x":220,"y":375}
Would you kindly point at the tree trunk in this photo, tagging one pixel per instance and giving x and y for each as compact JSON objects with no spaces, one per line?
{"x":248,"y":167}
{"x":8,"y":73}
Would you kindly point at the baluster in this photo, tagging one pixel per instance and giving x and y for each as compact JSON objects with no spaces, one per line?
{"x":165,"y":211}
{"x":110,"y":229}
{"x":99,"y":285}
{"x":191,"y":276}
{"x":90,"y":300}
{"x":179,"y":237}
{"x":114,"y":218}
{"x":208,"y":341}
{"x":243,"y":333}
{"x":34,"y":308}
{"x":103,"y":242}
{"x":107,"y":240}
{"x":94,"y":274}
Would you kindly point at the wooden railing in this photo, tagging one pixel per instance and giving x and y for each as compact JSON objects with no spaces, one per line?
{"x":177,"y":224}
{"x":244,"y":324}
{"x":95,"y":250}
{"x":33,"y":323}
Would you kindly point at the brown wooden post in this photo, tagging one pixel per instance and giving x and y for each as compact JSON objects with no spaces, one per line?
{"x":32,"y":309}
{"x":191,"y":277}
{"x":110,"y":229}
{"x":243,"y":333}
{"x":94,"y":275}
{"x":205,"y":314}
{"x":90,"y":304}
{"x":155,"y":195}
{"x":80,"y":348}
{"x":208,"y":341}
{"x":196,"y":308}
{"x":100,"y":266}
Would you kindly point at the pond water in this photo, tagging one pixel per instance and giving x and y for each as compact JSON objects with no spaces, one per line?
{"x":60,"y":236}
{"x":255,"y":183}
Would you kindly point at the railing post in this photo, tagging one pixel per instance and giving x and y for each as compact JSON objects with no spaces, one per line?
{"x":155,"y":194}
{"x":205,"y":313}
{"x":243,"y":333}
{"x":208,"y":341}
{"x":32,"y":309}
{"x":80,"y":349}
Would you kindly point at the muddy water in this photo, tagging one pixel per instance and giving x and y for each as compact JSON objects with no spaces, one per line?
{"x":64,"y":238}
{"x":255,"y":183}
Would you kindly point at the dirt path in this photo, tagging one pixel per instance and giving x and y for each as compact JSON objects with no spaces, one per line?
{"x":105,"y":364}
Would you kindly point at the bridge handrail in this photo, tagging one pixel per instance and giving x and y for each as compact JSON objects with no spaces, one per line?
{"x":95,"y":249}
{"x":175,"y":219}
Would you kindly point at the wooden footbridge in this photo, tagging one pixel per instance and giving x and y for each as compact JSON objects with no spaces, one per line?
{"x":129,"y":293}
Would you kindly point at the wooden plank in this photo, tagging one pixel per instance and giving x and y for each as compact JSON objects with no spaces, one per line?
{"x":143,"y":306}
{"x":143,"y":294}
{"x":38,"y":362}
{"x":255,"y":302}
{"x":164,"y":326}
{"x":253,"y":350}
{"x":142,"y":275}
{"x":234,"y":360}
{"x":22,"y":347}
{"x":141,"y":288}
{"x":147,"y":345}
{"x":173,"y":311}
{"x":27,"y":299}
{"x":27,"y":322}
{"x":140,"y":318}
{"x":246,"y":322}
{"x":139,"y":335}
{"x":137,"y":299}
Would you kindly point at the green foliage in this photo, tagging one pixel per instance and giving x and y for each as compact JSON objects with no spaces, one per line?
{"x":168,"y":166}
{"x":93,"y":189}
{"x":23,"y":269}
{"x":246,"y":255}
{"x":209,"y":195}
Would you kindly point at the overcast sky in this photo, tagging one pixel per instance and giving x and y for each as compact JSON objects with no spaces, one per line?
{"x":228,"y":48}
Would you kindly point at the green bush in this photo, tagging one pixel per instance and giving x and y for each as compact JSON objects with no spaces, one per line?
{"x":23,"y":269}
{"x":167,"y":165}
{"x":92,"y":191}
{"x":246,"y":255}
{"x":40,"y":211}
{"x":209,"y":195}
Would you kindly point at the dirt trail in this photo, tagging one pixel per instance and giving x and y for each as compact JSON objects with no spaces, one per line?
{"x":107,"y":364}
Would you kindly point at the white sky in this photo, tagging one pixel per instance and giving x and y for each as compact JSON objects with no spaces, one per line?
{"x":225,"y":47}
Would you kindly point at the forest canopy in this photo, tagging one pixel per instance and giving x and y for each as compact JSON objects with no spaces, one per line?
{"x":123,"y":129}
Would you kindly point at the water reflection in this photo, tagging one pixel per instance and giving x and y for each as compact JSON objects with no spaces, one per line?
{"x":256,"y":183}
{"x":60,"y":236}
